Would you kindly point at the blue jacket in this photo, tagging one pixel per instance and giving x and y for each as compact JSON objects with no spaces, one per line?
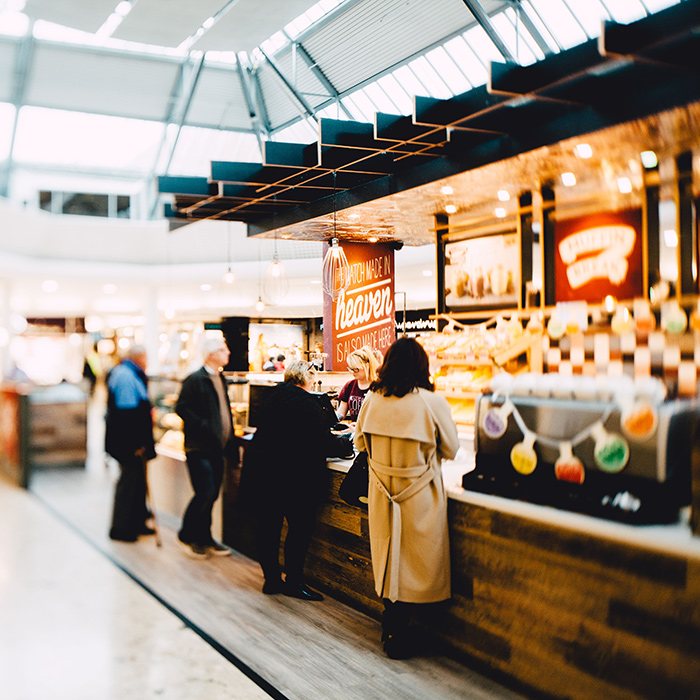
{"x":129,"y":425}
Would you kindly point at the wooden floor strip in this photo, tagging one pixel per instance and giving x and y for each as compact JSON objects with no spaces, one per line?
{"x":292,"y":648}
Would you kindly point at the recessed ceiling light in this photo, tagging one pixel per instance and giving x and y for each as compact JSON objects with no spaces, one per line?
{"x":427,"y":273}
{"x":583,"y":150}
{"x":446,"y":190}
{"x":568,"y":179}
{"x":500,"y":212}
{"x":624,"y":185}
{"x":649,"y":159}
{"x":372,"y":239}
{"x":503,"y":195}
{"x":671,"y":238}
{"x":205,"y":287}
{"x":49,"y":286}
{"x":450,"y":208}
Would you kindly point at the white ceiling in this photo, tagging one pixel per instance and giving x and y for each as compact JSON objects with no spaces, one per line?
{"x":243,"y":25}
{"x":148,"y":264}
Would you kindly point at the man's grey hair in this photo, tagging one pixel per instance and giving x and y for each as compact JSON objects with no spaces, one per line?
{"x":299,"y":373}
{"x":209,"y":345}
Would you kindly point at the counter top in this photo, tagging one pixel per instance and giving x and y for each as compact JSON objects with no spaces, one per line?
{"x":675,"y":539}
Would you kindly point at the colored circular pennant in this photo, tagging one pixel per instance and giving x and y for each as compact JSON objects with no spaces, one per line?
{"x":496,"y":420}
{"x":569,"y":467}
{"x":611,"y":451}
{"x":639,"y":420}
{"x":523,"y":456}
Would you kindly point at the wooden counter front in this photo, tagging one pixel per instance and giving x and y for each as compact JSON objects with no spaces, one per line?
{"x":569,"y":605}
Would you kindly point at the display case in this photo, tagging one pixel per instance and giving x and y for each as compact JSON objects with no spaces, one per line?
{"x":464,"y":359}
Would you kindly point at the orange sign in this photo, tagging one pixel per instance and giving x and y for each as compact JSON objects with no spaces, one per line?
{"x":364,"y":313}
{"x":598,"y":255}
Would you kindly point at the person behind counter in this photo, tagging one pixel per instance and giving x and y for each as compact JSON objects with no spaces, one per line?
{"x":205,"y":410}
{"x":407,"y":430}
{"x":284,"y":477}
{"x":129,"y":439}
{"x":363,"y":364}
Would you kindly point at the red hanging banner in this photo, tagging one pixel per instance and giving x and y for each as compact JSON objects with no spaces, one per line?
{"x":364,"y":313}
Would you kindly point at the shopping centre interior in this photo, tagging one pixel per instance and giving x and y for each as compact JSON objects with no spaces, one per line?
{"x":171,"y":172}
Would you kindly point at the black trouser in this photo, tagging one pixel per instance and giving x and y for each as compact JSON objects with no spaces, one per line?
{"x":206,"y":473}
{"x":396,"y":618}
{"x":130,"y":513}
{"x":300,"y":515}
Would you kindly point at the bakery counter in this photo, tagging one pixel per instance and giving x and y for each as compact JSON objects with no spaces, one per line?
{"x":607,"y":609}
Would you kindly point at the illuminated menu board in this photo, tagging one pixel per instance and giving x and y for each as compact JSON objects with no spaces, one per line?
{"x":364,"y":313}
{"x":597,"y":255}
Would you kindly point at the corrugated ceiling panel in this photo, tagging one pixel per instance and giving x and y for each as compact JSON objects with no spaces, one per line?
{"x":88,"y":81}
{"x":8,"y":51}
{"x":375,"y":34}
{"x":87,"y":16}
{"x":165,"y":23}
{"x":278,"y":100}
{"x":302,"y":78}
{"x":219,"y":100}
{"x":249,"y":22}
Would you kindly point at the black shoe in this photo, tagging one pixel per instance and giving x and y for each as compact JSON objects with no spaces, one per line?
{"x":194,"y":550}
{"x":272,"y":587}
{"x":397,"y":647}
{"x":122,"y":536}
{"x":218,"y":550}
{"x":301,"y":591}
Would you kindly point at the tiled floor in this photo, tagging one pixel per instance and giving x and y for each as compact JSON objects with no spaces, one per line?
{"x":85,"y":618}
{"x":74,"y":626}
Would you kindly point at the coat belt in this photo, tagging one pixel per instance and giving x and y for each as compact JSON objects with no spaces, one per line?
{"x":422,"y":474}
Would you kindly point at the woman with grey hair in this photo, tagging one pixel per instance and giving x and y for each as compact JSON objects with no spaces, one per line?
{"x":284,"y":477}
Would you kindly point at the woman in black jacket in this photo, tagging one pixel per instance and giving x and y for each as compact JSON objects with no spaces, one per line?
{"x":284,"y":471}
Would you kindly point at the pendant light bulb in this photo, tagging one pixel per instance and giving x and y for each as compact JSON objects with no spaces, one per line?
{"x":259,"y":305}
{"x":336,"y":270}
{"x":276,"y":283}
{"x":229,"y":277}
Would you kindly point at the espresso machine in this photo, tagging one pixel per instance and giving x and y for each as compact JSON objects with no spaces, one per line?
{"x":611,"y":447}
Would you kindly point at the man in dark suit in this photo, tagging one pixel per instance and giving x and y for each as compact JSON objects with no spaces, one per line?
{"x":205,"y":410}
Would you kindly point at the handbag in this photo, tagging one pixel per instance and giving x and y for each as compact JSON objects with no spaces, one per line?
{"x":353,"y":489}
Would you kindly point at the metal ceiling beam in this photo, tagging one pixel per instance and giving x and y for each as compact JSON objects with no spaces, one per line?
{"x":531,"y":27}
{"x":261,"y":129}
{"x":188,"y":95}
{"x":25,"y":54}
{"x":321,"y":76}
{"x":306,"y":107}
{"x":484,"y":20}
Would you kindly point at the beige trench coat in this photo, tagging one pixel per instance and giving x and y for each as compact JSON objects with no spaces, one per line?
{"x":406,"y":440}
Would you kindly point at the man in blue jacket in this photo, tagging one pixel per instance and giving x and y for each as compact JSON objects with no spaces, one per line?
{"x":205,"y":410}
{"x":129,"y":439}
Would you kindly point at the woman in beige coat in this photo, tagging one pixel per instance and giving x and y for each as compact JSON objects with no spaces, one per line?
{"x":407,"y":431}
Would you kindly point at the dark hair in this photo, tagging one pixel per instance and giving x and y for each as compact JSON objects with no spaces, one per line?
{"x":405,"y":368}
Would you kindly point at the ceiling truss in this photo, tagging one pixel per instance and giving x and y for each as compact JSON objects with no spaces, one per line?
{"x":632,"y":71}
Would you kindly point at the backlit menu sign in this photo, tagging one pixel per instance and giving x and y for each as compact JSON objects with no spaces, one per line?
{"x":598,"y":255}
{"x":364,"y":313}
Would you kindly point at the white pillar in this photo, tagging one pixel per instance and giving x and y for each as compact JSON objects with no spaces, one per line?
{"x":151,"y":331}
{"x":5,"y":329}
